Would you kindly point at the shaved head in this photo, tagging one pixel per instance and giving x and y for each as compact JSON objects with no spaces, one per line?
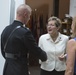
{"x":23,"y":8}
{"x":23,"y":13}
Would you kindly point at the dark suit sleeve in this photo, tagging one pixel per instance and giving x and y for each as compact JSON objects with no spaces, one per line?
{"x":32,"y":46}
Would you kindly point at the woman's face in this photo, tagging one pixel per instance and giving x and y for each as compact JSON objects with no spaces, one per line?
{"x":51,"y":28}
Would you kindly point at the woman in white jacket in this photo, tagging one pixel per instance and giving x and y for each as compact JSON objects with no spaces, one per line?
{"x":54,"y":44}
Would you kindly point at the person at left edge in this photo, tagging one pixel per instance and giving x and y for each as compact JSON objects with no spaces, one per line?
{"x":18,"y":43}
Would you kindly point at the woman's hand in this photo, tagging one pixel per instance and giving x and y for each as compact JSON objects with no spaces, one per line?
{"x":62,"y":57}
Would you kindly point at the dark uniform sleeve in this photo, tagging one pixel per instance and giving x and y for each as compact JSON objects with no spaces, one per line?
{"x":2,"y":42}
{"x":2,"y":49}
{"x":32,"y":46}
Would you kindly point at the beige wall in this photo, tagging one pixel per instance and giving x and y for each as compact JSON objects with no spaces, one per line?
{"x":46,"y":7}
{"x":42,"y":6}
{"x":63,"y":8}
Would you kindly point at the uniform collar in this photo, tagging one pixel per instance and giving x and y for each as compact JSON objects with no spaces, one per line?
{"x":17,"y":23}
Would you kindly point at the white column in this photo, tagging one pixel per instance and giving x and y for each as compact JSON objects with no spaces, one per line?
{"x":4,"y":13}
{"x":72,"y":11}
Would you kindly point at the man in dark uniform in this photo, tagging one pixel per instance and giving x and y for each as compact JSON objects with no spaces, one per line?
{"x":16,"y":42}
